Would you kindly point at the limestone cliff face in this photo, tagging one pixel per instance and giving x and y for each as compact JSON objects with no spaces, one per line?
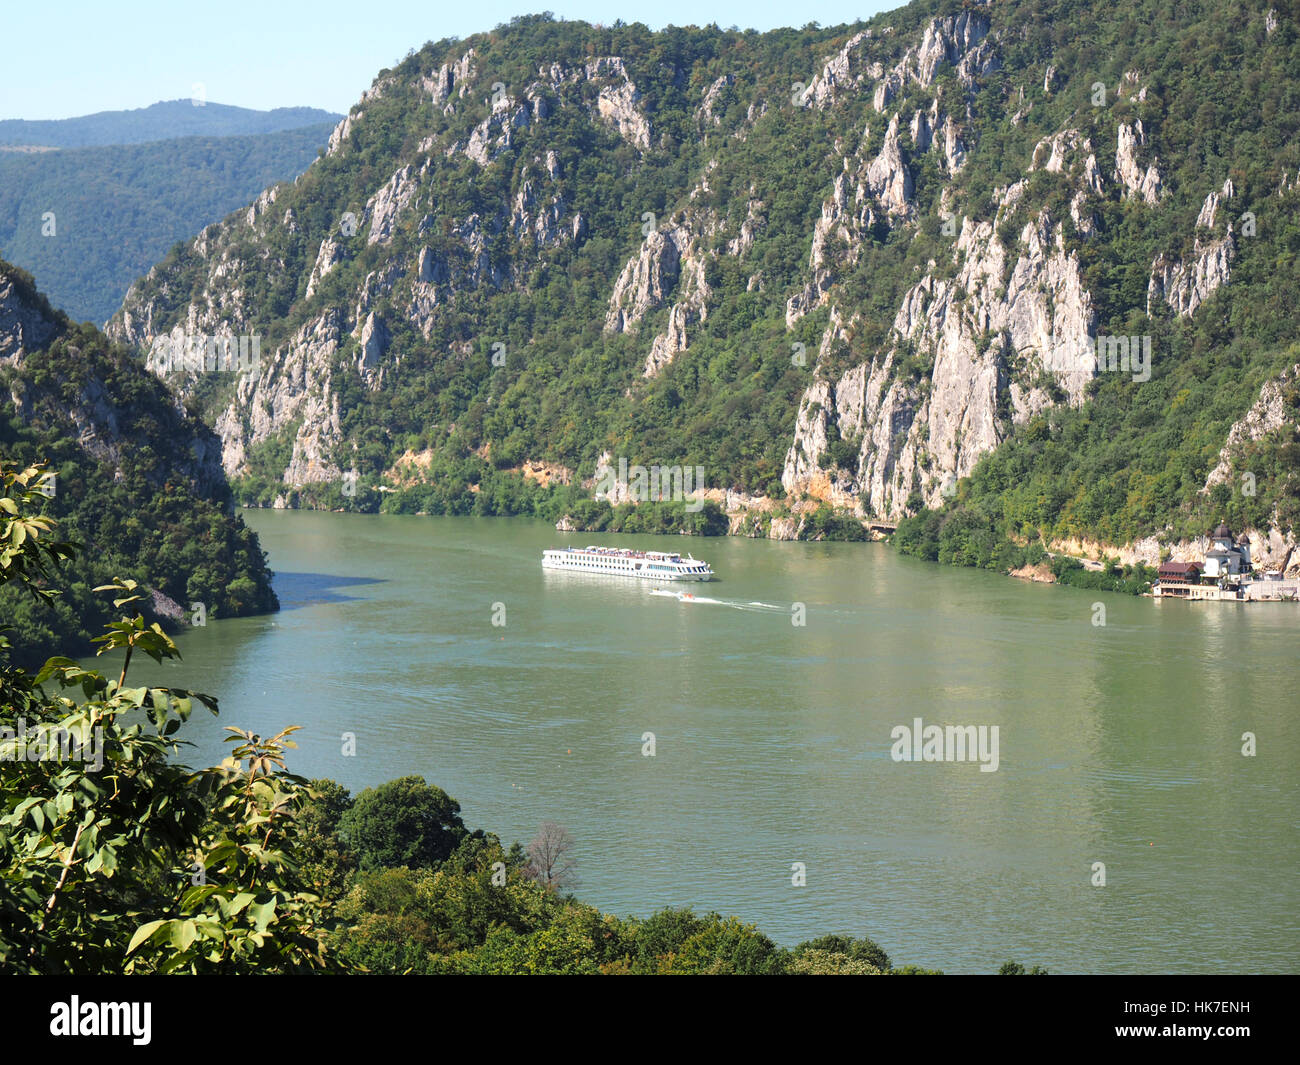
{"x":958,"y":40}
{"x":1186,"y":284}
{"x":25,"y":325}
{"x":1138,"y":182}
{"x":981,"y":331}
{"x":292,"y":393}
{"x":990,"y":348}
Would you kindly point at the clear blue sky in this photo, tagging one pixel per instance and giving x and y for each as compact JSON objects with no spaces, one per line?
{"x":74,"y":58}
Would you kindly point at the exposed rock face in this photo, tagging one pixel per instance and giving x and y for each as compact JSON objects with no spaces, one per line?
{"x":646,"y":280}
{"x":261,"y":205}
{"x":1210,"y":209}
{"x":713,"y":95}
{"x":1266,"y":415}
{"x":1186,"y":285}
{"x":958,"y":39}
{"x":618,"y":101}
{"x":292,"y":394}
{"x":24,"y":324}
{"x":342,"y":131}
{"x":329,"y":255}
{"x":988,"y":348}
{"x":539,"y":210}
{"x":888,"y":177}
{"x":1144,"y":184}
{"x":373,"y":341}
{"x":384,"y":207}
{"x":845,"y":218}
{"x":495,"y":134}
{"x":1052,"y":153}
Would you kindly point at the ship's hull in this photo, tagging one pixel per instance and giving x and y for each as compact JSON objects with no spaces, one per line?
{"x":627,"y":569}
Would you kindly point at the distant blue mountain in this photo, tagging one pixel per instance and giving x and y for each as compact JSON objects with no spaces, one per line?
{"x":161,"y":121}
{"x":115,"y":210}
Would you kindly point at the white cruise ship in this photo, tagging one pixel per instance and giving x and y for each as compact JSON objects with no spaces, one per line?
{"x":619,"y":562}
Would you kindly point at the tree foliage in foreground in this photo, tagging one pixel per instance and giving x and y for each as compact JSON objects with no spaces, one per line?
{"x":114,"y":857}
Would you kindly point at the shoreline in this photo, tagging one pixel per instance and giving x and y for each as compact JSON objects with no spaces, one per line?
{"x":739,"y":526}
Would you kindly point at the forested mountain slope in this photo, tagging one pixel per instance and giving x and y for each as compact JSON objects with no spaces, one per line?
{"x":86,"y":222}
{"x":138,"y":482}
{"x":830,"y":266}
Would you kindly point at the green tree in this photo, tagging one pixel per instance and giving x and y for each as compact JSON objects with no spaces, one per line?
{"x":403,"y":822}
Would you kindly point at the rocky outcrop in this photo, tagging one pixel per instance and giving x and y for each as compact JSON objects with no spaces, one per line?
{"x":342,"y":131}
{"x":539,"y":210}
{"x":646,"y":280}
{"x":1053,"y":153}
{"x":618,"y":99}
{"x":843,"y":73}
{"x":670,"y":260}
{"x":373,"y":341}
{"x":1267,"y":414}
{"x":291,"y":395}
{"x":707,"y":114}
{"x":845,"y":216}
{"x":328,"y":256}
{"x":383,"y":208}
{"x":27,"y":323}
{"x":887,"y":176}
{"x":1185,"y":284}
{"x":1139,"y":183}
{"x":990,"y":350}
{"x":1210,"y":208}
{"x":960,"y":40}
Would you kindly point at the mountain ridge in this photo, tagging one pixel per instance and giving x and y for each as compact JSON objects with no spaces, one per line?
{"x":138,"y":482}
{"x":164,"y":120}
{"x":867,"y":258}
{"x":87,"y":221}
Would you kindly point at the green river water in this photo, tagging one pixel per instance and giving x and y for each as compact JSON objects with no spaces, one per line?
{"x":1119,"y":744}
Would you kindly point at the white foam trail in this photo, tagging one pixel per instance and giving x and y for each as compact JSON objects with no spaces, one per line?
{"x":690,"y":597}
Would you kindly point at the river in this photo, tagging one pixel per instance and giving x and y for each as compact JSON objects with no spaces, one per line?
{"x":1118,"y":743}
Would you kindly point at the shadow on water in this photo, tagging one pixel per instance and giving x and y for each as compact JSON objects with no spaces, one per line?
{"x":308,"y":589}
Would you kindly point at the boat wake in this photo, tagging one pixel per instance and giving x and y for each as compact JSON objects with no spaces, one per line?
{"x":754,"y":606}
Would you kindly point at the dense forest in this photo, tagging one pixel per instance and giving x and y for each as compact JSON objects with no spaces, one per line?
{"x":117,"y":209}
{"x":117,"y":858}
{"x":135,"y":483}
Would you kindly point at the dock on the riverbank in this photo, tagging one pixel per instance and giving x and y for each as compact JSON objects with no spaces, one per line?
{"x":1283,"y":591}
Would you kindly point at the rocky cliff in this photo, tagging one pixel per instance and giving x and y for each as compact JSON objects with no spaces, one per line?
{"x":556,"y":241}
{"x":137,"y":481}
